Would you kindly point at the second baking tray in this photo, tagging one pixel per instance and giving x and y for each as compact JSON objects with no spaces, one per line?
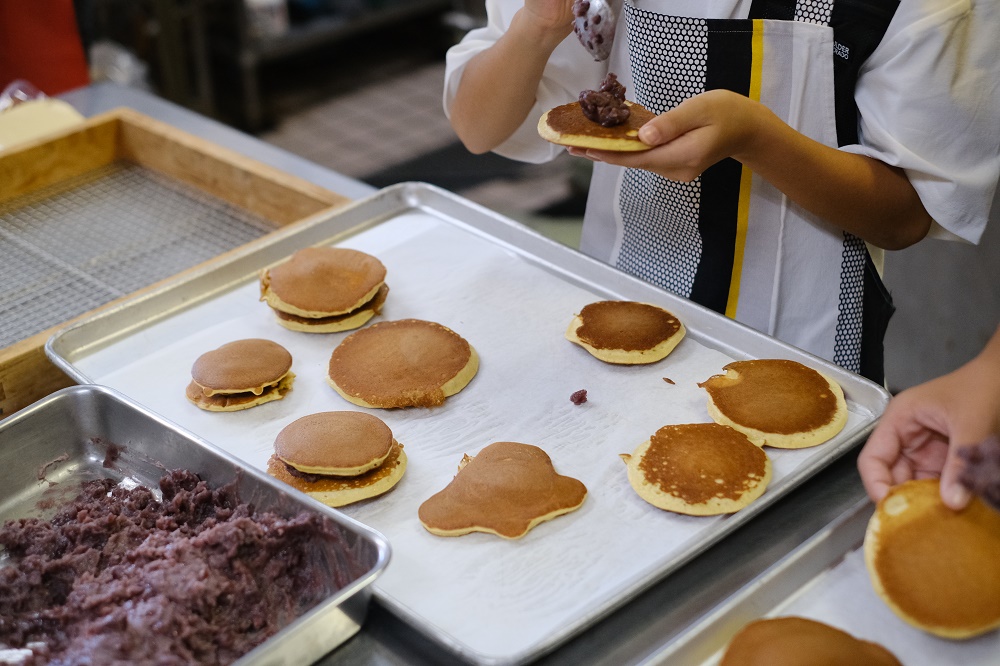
{"x":511,"y":293}
{"x":824,"y":579}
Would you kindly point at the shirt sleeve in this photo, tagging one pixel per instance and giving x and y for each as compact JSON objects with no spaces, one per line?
{"x":929,"y":102}
{"x":570,"y":69}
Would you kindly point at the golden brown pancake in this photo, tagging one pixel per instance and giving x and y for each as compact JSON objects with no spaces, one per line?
{"x":334,"y":443}
{"x":937,"y":569}
{"x":339,"y":286}
{"x":404,"y":363}
{"x":777,"y":403}
{"x":797,"y":641}
{"x":699,"y":469}
{"x":506,"y":489}
{"x":567,"y":126}
{"x":342,"y":490}
{"x":240,"y":375}
{"x":626,"y":332}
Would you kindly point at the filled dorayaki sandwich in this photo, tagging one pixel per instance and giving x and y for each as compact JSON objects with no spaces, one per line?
{"x":602,"y":119}
{"x":404,"y":363}
{"x":506,"y":489}
{"x":777,"y":402}
{"x":325,"y":289}
{"x":936,"y":568}
{"x":240,"y":375}
{"x":626,"y":332}
{"x":699,"y":469}
{"x":798,"y":641}
{"x":338,"y":457}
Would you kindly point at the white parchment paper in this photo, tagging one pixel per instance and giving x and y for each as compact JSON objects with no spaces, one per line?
{"x":491,"y":599}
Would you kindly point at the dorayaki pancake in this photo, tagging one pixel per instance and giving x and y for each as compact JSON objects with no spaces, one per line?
{"x":239,"y":375}
{"x":626,"y":332}
{"x":777,"y":402}
{"x":342,"y":490}
{"x":797,"y":641}
{"x":937,"y":569}
{"x":322,"y":282}
{"x":699,"y":469}
{"x":404,"y":363}
{"x":336,"y":323}
{"x":334,"y":443}
{"x":567,"y":126}
{"x":506,"y":489}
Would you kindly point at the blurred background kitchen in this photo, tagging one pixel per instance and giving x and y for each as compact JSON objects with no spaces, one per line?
{"x":356,"y":86}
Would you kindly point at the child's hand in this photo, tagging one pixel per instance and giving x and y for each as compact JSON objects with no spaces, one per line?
{"x":922,"y":431}
{"x":691,"y":137}
{"x":550,"y":14}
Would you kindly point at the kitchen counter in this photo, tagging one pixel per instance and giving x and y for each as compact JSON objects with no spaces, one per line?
{"x":643,"y":624}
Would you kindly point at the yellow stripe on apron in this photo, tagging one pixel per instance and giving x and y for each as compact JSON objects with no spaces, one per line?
{"x":746,"y":177}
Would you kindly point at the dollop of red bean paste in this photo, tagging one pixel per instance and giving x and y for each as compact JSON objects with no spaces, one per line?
{"x":606,"y":105}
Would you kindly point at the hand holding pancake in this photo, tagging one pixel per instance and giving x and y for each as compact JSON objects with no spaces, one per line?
{"x":924,"y":428}
{"x":691,"y":137}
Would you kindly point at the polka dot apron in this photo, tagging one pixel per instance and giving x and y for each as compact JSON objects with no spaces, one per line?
{"x":729,"y":240}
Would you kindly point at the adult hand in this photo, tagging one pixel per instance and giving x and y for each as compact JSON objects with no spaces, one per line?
{"x":924,"y":427}
{"x":693,"y":136}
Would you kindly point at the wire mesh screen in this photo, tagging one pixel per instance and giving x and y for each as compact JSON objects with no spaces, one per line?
{"x":71,"y":247}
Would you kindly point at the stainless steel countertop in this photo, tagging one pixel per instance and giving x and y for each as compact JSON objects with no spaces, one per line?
{"x":640,"y":627}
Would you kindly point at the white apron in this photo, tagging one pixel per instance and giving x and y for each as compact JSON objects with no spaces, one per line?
{"x":729,"y":240}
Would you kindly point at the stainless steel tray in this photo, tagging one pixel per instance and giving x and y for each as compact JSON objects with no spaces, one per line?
{"x":824,"y":579}
{"x":511,"y":293}
{"x":68,"y":436}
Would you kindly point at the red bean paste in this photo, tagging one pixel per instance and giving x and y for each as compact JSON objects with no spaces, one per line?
{"x":606,"y":105}
{"x":579,"y":397}
{"x":981,"y":474}
{"x":119,"y":577}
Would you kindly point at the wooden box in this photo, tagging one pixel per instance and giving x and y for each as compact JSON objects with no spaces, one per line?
{"x":124,"y":136}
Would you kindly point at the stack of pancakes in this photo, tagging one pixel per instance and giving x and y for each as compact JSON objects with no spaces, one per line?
{"x":937,"y":569}
{"x":240,"y":375}
{"x":338,"y":457}
{"x":797,"y":641}
{"x":404,"y":363}
{"x":626,"y":332}
{"x":325,"y":289}
{"x":776,"y":402}
{"x":506,"y":489}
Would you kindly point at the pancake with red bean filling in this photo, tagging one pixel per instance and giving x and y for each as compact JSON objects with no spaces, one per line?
{"x":325,"y":289}
{"x":240,"y":375}
{"x":338,"y":457}
{"x":626,"y":332}
{"x":937,"y":569}
{"x":404,"y":363}
{"x":797,"y":641}
{"x":567,"y":126}
{"x":777,"y":402}
{"x":699,"y":469}
{"x":506,"y":489}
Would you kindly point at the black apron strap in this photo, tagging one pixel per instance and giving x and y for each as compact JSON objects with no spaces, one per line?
{"x":876,"y":309}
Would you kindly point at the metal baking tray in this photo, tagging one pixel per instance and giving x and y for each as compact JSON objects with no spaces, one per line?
{"x":73,"y":435}
{"x":824,"y":579}
{"x":511,"y":292}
